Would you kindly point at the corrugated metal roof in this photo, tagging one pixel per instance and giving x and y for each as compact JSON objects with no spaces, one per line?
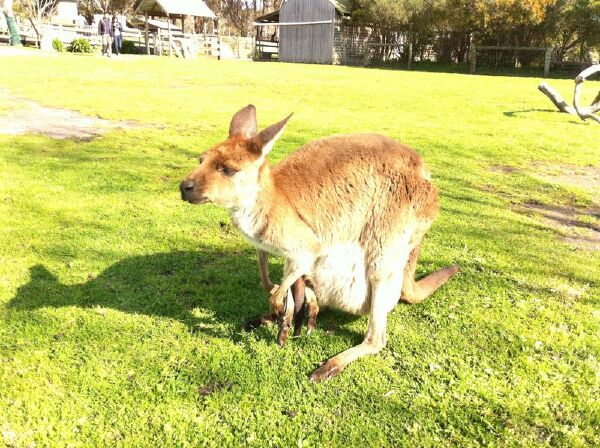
{"x":342,"y":6}
{"x":195,"y":8}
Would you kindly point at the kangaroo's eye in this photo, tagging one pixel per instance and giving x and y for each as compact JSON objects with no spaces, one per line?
{"x":201,"y":159}
{"x":226,"y":170}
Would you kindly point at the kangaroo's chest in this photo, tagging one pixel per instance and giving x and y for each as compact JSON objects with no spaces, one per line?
{"x":249,"y":226}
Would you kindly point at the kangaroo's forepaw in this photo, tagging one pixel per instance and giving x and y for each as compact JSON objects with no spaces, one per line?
{"x":329,"y":369}
{"x":277,"y":303}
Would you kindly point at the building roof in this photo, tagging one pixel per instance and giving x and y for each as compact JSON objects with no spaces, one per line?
{"x":153,"y":24}
{"x":196,"y":8}
{"x":343,"y":7}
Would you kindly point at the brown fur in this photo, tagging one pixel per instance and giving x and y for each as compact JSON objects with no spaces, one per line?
{"x":357,"y":203}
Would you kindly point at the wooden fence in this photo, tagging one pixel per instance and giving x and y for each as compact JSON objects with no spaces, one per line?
{"x":547,"y":55}
{"x":183,"y":45}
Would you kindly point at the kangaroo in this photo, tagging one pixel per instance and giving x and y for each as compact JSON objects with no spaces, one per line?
{"x":302,"y":295}
{"x":347,"y":212}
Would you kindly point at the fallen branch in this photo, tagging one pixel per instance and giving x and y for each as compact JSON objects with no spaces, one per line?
{"x":584,"y":112}
{"x":555,"y":97}
{"x":558,"y":101}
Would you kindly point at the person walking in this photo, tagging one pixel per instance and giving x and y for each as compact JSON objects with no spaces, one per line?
{"x":117,"y":36}
{"x":106,"y":32}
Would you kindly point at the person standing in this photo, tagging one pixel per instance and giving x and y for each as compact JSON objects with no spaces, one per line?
{"x":106,"y":32}
{"x":117,"y":36}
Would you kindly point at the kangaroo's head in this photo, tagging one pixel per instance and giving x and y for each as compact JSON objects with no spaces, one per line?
{"x":228,"y":174}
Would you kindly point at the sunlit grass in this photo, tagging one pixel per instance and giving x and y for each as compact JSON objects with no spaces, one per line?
{"x":122,"y":306}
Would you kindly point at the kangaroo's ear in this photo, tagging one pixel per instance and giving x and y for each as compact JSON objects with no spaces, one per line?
{"x":266,"y":138}
{"x":244,"y":122}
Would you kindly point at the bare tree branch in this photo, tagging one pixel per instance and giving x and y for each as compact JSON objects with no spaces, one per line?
{"x":582,"y":112}
{"x":556,"y":99}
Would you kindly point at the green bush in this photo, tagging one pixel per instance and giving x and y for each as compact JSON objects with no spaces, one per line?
{"x":80,"y":45}
{"x":129,"y":47}
{"x":58,"y":45}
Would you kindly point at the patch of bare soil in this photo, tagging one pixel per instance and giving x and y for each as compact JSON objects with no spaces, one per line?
{"x":503,"y":169}
{"x":578,"y":226}
{"x":6,"y":50}
{"x":29,"y":117}
{"x":587,"y":177}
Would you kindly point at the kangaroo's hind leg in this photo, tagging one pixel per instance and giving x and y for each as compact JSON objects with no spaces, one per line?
{"x":385,"y":275}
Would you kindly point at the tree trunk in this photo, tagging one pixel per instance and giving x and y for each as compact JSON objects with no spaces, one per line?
{"x":188,"y":25}
{"x":13,"y":29}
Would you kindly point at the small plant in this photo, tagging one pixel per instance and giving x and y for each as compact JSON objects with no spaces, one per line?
{"x":58,"y":45}
{"x":80,"y":45}
{"x":129,"y":47}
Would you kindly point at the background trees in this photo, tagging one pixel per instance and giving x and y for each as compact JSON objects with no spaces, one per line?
{"x":445,"y":28}
{"x":6,"y":8}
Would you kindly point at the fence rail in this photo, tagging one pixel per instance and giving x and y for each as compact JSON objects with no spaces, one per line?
{"x":547,"y":55}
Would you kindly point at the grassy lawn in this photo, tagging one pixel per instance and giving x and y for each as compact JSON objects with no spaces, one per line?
{"x":121,"y":306}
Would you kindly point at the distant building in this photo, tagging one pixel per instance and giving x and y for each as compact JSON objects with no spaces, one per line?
{"x":66,"y":13}
{"x":311,"y":31}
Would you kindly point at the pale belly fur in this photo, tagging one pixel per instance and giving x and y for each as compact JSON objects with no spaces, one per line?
{"x":339,"y":279}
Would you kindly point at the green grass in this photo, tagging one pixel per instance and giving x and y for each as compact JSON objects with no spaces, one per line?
{"x":121,"y":305}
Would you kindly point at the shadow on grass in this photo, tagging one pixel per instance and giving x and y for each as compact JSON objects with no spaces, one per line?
{"x":464,"y":69}
{"x":212,"y":292}
{"x":514,"y":113}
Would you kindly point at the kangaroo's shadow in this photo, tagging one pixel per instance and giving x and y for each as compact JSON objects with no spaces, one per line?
{"x":212,"y":292}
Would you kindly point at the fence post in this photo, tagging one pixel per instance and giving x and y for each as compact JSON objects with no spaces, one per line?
{"x":473,"y":59}
{"x":547,"y":59}
{"x":367,"y":54}
{"x":147,"y":35}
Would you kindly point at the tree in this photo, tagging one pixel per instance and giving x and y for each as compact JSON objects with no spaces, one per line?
{"x":88,"y":8}
{"x":7,"y":9}
{"x":239,"y":14}
{"x":573,"y":27}
{"x":36,"y":11}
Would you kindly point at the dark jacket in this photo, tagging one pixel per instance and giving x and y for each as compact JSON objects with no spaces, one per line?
{"x":105,"y":27}
{"x":117,"y":29}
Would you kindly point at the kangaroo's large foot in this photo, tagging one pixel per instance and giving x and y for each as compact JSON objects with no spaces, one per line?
{"x":332,"y":367}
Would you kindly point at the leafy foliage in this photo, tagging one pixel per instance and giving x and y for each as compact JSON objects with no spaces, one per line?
{"x":446,"y":27}
{"x":80,"y":45}
{"x":129,"y":47}
{"x":58,"y":45}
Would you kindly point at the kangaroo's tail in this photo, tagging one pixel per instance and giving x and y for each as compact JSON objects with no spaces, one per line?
{"x":416,"y":291}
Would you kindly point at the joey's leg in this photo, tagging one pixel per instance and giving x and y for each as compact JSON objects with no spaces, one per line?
{"x":384,"y":295}
{"x":284,"y":320}
{"x":298,"y":292}
{"x":313,"y":309}
{"x":292,"y":272}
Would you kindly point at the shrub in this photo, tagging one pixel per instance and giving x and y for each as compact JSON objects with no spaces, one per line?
{"x":129,"y":47}
{"x":58,"y":45}
{"x":80,"y":45}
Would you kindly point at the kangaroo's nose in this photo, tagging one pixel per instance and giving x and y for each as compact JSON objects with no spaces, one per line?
{"x":186,"y":186}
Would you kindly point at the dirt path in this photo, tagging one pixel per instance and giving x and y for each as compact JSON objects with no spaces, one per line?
{"x":578,"y":226}
{"x":29,"y":117}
